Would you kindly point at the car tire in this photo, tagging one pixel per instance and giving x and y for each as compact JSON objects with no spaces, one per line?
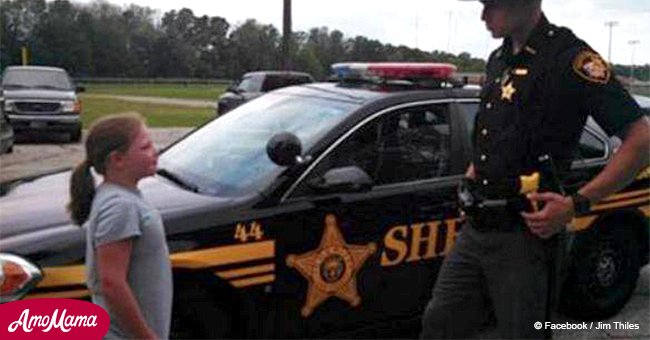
{"x":75,"y":135}
{"x":195,"y":316}
{"x":603,"y":273}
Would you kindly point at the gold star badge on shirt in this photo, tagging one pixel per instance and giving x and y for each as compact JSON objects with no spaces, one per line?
{"x":507,"y":91}
{"x":331,"y":269}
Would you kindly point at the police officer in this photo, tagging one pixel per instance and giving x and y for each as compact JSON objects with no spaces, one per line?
{"x":541,"y":85}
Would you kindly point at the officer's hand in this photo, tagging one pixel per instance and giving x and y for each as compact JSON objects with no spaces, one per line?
{"x":556,"y":214}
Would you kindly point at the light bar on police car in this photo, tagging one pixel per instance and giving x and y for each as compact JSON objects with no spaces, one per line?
{"x":395,"y":70}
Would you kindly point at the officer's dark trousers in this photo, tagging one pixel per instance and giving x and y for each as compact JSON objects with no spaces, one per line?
{"x":507,"y":268}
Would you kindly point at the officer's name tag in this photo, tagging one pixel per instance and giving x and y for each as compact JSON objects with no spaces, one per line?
{"x":521,"y":71}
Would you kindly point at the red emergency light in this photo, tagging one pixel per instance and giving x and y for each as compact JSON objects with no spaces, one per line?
{"x":395,"y":70}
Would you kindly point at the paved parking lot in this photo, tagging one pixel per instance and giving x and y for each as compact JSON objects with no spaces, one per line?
{"x":34,"y":155}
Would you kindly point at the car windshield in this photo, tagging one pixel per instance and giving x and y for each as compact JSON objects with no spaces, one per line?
{"x":45,"y":79}
{"x":227,"y":157}
{"x":249,"y":84}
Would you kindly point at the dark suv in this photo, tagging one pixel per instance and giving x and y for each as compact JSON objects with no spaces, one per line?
{"x":6,"y":131}
{"x":255,"y":84}
{"x":42,"y":99}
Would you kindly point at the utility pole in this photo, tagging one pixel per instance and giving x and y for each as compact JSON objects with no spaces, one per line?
{"x":286,"y":36}
{"x":611,"y":24}
{"x":632,"y":43}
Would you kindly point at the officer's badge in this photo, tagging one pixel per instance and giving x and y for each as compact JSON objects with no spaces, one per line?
{"x":590,"y":66}
{"x":507,"y":91}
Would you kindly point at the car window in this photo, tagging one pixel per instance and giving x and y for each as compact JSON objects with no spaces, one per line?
{"x":590,"y":147}
{"x":227,"y":157}
{"x":401,"y":146}
{"x":34,"y":78}
{"x":249,"y":84}
{"x":297,"y":80}
{"x":468,"y":113}
{"x":273,"y":81}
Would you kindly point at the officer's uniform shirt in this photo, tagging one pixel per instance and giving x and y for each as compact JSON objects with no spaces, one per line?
{"x":537,"y":101}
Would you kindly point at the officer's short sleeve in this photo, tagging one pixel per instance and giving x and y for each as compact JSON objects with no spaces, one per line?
{"x":117,"y":219}
{"x":589,"y":80}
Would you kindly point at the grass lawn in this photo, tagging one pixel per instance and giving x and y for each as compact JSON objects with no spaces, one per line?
{"x":190,"y":91}
{"x":157,"y":115}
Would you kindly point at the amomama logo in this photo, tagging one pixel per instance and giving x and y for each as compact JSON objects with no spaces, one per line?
{"x":52,"y":319}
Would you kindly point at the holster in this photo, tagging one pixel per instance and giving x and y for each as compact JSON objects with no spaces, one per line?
{"x":483,"y":213}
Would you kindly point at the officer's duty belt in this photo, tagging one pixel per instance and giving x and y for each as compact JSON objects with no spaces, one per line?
{"x":491,"y":214}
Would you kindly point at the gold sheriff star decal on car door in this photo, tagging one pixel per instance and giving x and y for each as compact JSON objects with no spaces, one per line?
{"x":331,"y":269}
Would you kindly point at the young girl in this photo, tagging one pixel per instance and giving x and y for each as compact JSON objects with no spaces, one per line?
{"x":127,"y":260}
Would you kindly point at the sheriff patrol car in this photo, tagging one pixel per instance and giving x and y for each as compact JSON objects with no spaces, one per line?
{"x":322,"y":210}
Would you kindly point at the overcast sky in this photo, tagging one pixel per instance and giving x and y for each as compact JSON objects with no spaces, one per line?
{"x":448,"y":25}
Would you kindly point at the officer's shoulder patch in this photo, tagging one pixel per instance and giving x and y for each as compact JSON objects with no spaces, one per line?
{"x":590,"y":65}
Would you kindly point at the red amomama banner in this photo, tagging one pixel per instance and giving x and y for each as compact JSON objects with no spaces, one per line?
{"x":52,"y":319}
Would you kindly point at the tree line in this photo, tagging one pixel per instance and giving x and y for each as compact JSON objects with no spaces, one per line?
{"x":104,"y":40}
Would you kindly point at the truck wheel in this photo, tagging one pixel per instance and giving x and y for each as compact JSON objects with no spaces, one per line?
{"x":603,"y":272}
{"x":75,"y":135}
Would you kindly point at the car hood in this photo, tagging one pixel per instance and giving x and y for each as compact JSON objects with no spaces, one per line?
{"x":644,"y":102}
{"x":230,"y":96}
{"x":38,"y":94}
{"x":33,"y":215}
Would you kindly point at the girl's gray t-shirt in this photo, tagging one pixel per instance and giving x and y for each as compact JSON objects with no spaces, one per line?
{"x":119,"y":213}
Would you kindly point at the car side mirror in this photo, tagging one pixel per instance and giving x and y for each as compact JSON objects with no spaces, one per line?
{"x":345,"y":179}
{"x":284,"y":149}
{"x":80,"y":89}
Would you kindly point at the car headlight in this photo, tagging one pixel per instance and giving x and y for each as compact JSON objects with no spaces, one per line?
{"x":9,"y":105}
{"x":71,"y":106}
{"x":67,"y":106}
{"x":17,"y":277}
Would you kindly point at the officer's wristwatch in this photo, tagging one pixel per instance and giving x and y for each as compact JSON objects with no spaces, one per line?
{"x":581,"y":204}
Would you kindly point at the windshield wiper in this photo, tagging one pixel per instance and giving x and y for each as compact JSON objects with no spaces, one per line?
{"x":177,"y":179}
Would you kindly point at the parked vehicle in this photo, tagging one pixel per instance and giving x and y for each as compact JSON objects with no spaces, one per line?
{"x":644,"y":102}
{"x":322,"y":210}
{"x":42,"y":99}
{"x":6,"y":131}
{"x":255,"y":84}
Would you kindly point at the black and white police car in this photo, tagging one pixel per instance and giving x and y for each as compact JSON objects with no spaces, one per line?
{"x":322,"y":210}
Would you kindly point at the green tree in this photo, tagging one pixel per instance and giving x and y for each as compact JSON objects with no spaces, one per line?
{"x":361,"y":48}
{"x":108,"y":40}
{"x":60,"y":41}
{"x":254,"y":46}
{"x":19,"y":22}
{"x":141,"y":36}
